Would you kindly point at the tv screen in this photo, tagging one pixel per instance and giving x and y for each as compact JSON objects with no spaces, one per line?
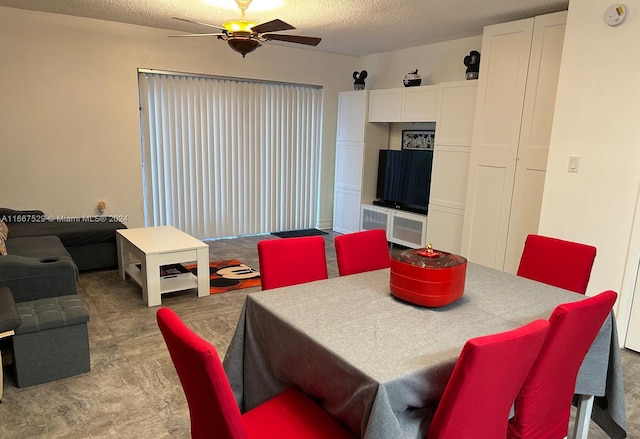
{"x":404,"y":179}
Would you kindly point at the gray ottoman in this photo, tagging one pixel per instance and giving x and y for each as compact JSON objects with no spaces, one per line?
{"x":9,"y":321}
{"x":52,"y":342}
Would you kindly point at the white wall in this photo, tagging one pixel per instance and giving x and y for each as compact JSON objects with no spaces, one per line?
{"x":597,"y":117}
{"x":69,"y":125}
{"x":436,"y":63}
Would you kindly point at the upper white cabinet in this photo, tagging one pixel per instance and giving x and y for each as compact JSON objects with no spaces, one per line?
{"x":512,"y":126}
{"x":420,"y":104}
{"x":357,"y":145}
{"x":386,"y":105}
{"x":454,"y":129}
{"x":408,"y":104}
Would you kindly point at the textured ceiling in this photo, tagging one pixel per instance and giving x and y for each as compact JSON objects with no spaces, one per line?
{"x":351,"y":27}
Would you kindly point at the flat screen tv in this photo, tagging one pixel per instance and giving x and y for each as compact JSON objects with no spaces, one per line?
{"x":404,"y":179}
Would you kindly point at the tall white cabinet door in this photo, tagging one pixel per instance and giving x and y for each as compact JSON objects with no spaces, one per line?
{"x":535,"y":133}
{"x":352,"y":115}
{"x":444,"y":226}
{"x":501,"y":88}
{"x":357,"y":145}
{"x":348,"y":168}
{"x":346,"y":211}
{"x":454,"y":128}
{"x":456,"y":107}
{"x":514,"y":112}
{"x":450,"y":170}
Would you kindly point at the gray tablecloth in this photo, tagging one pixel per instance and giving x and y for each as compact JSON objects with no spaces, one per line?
{"x":380,"y":364}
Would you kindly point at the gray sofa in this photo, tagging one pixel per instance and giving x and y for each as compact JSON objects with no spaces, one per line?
{"x":52,"y":341}
{"x":90,"y":241}
{"x":37,"y":267}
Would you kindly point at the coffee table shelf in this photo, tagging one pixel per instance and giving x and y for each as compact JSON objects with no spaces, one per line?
{"x":142,"y":251}
{"x":167,"y":284}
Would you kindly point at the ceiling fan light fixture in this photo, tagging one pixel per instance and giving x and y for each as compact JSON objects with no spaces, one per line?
{"x":243,"y":45}
{"x":239,"y":26}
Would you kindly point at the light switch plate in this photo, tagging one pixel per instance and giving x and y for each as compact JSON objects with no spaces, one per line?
{"x":574,"y":164}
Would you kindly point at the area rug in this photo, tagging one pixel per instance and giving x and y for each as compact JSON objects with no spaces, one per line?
{"x":229,"y":275}
{"x":298,"y":233}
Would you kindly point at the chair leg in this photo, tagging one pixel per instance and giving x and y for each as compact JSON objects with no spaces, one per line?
{"x":583,"y":416}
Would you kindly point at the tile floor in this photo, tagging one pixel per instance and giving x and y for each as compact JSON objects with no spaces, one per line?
{"x":132,"y":390}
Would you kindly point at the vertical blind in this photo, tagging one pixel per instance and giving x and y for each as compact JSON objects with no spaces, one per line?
{"x":227,"y":157}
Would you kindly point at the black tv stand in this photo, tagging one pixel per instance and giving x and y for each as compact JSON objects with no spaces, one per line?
{"x":399,"y":206}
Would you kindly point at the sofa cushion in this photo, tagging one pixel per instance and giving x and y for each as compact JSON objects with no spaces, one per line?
{"x":42,"y":248}
{"x":71,"y":233}
{"x":38,"y":267}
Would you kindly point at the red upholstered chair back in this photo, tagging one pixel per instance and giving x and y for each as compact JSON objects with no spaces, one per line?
{"x":362,"y":251}
{"x":552,"y":261}
{"x":485,"y":381}
{"x":543,"y":406}
{"x":213,"y":410}
{"x":291,"y":261}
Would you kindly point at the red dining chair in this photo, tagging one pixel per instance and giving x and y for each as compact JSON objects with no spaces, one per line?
{"x":362,"y":251}
{"x":543,"y":406}
{"x":213,"y":409}
{"x":291,"y":261}
{"x":556,"y":262}
{"x":485,"y":381}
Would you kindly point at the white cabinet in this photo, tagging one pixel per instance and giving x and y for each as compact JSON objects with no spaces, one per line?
{"x":352,"y":116}
{"x":454,"y":128}
{"x":409,"y":104}
{"x":386,"y":105}
{"x":404,"y":228}
{"x":346,"y":219}
{"x":356,"y":164}
{"x":444,"y":228}
{"x":514,"y":112}
{"x":375,"y":217}
{"x":420,"y":104}
{"x":408,"y":229}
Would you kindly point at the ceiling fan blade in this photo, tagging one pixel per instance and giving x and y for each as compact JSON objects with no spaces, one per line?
{"x":309,"y":41}
{"x":201,"y":24}
{"x":197,"y":35}
{"x":272,"y":26}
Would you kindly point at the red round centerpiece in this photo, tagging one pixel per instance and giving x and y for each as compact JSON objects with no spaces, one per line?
{"x":427,"y":277}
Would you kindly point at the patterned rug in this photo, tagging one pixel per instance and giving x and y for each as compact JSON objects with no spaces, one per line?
{"x":229,"y":275}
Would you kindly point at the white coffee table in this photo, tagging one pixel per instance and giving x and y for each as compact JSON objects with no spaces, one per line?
{"x":153,"y":247}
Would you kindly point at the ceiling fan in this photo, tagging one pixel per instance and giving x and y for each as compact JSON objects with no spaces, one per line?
{"x":246,"y":36}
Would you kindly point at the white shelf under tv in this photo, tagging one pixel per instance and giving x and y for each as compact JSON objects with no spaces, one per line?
{"x":404,"y":228}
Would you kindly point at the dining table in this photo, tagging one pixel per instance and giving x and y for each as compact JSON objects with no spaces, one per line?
{"x":380,"y":364}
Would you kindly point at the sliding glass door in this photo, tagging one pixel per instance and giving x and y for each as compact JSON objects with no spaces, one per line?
{"x":229,"y":157}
